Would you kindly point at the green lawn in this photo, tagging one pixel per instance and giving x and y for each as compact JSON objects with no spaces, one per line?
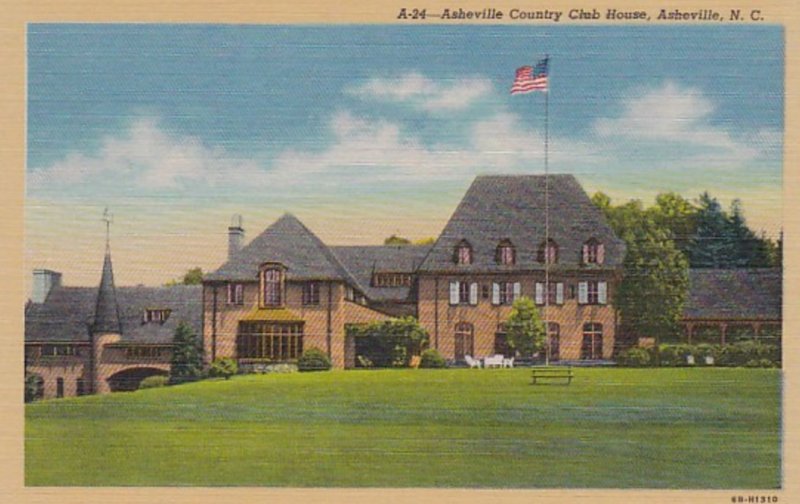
{"x":617,"y":428}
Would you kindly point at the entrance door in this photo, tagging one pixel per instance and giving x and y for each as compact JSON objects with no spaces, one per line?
{"x":464,"y":341}
{"x":554,"y":333}
{"x":592,"y":347}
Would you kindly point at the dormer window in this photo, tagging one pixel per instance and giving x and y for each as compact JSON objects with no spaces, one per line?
{"x":505,"y":253}
{"x":156,"y":315}
{"x":272,"y":282}
{"x":548,"y":252}
{"x":593,"y":252}
{"x":463,"y":253}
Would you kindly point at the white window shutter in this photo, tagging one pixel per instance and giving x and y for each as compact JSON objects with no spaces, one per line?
{"x":601,"y":253}
{"x":559,"y":293}
{"x":453,"y":293}
{"x":583,"y":292}
{"x":585,"y":253}
{"x":539,"y":293}
{"x":517,"y":290}
{"x":495,"y":293}
{"x":602,"y":292}
{"x":473,"y":294}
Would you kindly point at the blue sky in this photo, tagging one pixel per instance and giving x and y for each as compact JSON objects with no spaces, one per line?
{"x":186,"y":124}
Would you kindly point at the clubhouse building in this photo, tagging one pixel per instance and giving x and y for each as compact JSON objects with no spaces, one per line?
{"x":286,"y":291}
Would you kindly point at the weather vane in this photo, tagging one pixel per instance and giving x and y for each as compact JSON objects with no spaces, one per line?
{"x":108,"y":218}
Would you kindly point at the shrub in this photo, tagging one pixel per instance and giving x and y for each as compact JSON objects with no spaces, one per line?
{"x":34,"y":387}
{"x":154,"y":382}
{"x":675,"y":355}
{"x":313,"y":359}
{"x":223,"y":367}
{"x":431,"y":358}
{"x":634,"y":357}
{"x":760,"y":363}
{"x":704,"y":350}
{"x":740,"y":354}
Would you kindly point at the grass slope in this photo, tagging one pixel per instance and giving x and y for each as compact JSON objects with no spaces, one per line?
{"x":618,"y":428}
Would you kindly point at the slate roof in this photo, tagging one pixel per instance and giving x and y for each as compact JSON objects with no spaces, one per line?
{"x":289,"y":242}
{"x":106,"y":312}
{"x":362,"y":261}
{"x":68,"y":312}
{"x":734,"y":294}
{"x":499,"y":207}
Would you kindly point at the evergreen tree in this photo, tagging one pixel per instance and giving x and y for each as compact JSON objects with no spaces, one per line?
{"x":187,"y":355}
{"x":714,"y":244}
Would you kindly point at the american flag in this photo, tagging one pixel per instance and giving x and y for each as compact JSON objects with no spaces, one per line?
{"x":530,"y":79}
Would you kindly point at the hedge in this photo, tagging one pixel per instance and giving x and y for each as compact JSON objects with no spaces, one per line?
{"x":431,"y":358}
{"x":313,"y":359}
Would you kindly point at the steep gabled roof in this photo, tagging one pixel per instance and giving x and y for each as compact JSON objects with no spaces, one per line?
{"x":289,"y":242}
{"x":734,"y":294}
{"x":512,"y":207}
{"x":363,"y":261}
{"x":68,"y":313}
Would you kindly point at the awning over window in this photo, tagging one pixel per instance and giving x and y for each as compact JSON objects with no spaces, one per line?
{"x":272,"y":315}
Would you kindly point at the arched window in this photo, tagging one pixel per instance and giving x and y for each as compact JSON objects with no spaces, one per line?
{"x":548,"y":252}
{"x":554,"y":337}
{"x":593,"y":252}
{"x":464,"y":340}
{"x":272,"y":282}
{"x":505,"y":253}
{"x":592,"y":346}
{"x":463,"y":253}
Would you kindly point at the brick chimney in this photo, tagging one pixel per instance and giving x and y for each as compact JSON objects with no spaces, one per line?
{"x":43,"y":281}
{"x":235,"y":235}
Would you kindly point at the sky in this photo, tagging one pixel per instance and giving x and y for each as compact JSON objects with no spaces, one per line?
{"x":363,"y":131}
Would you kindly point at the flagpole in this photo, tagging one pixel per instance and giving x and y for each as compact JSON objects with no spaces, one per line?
{"x":547,"y":216}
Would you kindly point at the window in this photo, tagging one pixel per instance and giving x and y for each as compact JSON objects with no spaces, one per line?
{"x":463,"y":253}
{"x":391,"y":280}
{"x":464,"y":341}
{"x":273,"y":287}
{"x":592,"y":346}
{"x":349,"y":293}
{"x":269,"y":341}
{"x":593,"y":252}
{"x":58,"y":350}
{"x":504,"y":293}
{"x":554,"y":337}
{"x":505,"y":253}
{"x":592,"y":292}
{"x":80,"y":387}
{"x":311,"y":293}
{"x":501,"y":342}
{"x":156,"y":315}
{"x":142,"y":352}
{"x":548,"y":252}
{"x":235,"y":293}
{"x":463,"y":293}
{"x":59,"y":387}
{"x":555,"y":294}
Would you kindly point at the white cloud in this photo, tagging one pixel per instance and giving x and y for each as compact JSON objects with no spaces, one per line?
{"x":680,"y":118}
{"x":148,"y":156}
{"x":424,"y":92}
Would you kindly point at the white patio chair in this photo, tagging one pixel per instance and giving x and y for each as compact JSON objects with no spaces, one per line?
{"x":509,"y":363}
{"x":472,"y":363}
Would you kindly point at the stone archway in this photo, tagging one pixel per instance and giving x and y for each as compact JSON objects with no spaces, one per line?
{"x":129,"y":379}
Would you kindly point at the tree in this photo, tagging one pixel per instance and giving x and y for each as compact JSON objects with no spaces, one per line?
{"x":187,"y":356}
{"x":525,"y":331}
{"x":430,"y":240}
{"x":396,"y":240}
{"x":34,"y":387}
{"x":193,"y":276}
{"x":391,"y":342}
{"x":655,"y":282}
{"x":223,"y":367}
{"x":678,"y":216}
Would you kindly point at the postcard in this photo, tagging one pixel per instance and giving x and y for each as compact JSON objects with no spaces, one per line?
{"x":513,"y":253}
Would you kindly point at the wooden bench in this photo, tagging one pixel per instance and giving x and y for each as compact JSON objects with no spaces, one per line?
{"x":557,"y":374}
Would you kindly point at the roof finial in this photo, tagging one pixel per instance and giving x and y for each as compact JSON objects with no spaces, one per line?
{"x":108,"y":218}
